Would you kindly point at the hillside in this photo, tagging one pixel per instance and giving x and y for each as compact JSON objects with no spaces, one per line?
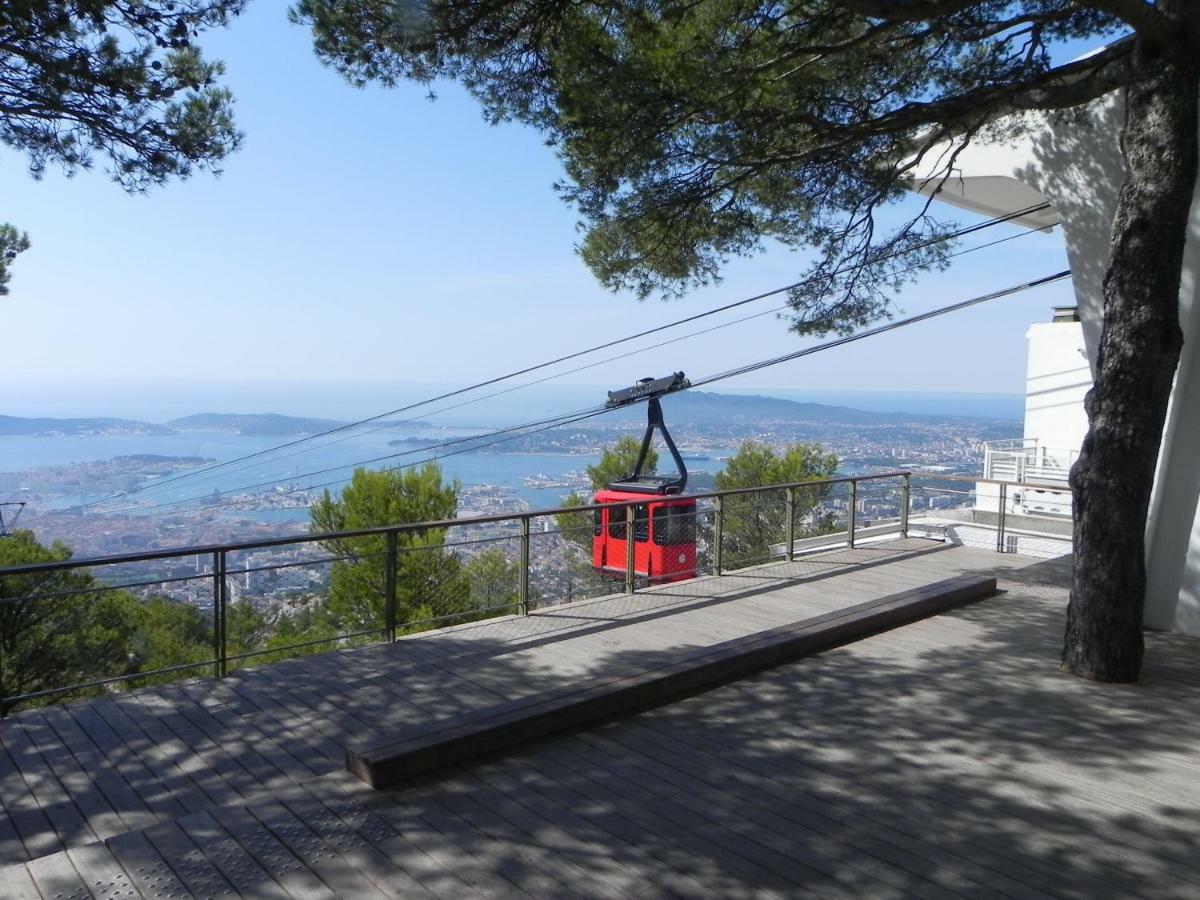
{"x":268,"y":423}
{"x":254,"y":423}
{"x":16,"y":425}
{"x":707,"y":408}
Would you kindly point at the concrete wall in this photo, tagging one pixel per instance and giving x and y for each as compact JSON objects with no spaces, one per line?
{"x":1075,"y":162}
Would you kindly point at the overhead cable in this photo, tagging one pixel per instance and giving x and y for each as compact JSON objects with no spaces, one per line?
{"x":962,"y":232}
{"x":514,"y":432}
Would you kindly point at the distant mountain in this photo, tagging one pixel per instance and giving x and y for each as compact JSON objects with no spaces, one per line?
{"x":270,"y":423}
{"x":706,"y":408}
{"x":256,"y":423}
{"x":15,"y":425}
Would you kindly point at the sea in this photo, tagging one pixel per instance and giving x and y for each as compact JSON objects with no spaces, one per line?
{"x":333,"y":461}
{"x":330,"y":459}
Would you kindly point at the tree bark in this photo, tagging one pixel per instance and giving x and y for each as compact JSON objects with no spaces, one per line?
{"x":1139,"y":351}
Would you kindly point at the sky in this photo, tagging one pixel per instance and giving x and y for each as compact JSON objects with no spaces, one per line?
{"x":373,"y":238}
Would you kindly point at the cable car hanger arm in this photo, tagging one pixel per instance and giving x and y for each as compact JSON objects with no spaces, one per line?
{"x":650,"y":389}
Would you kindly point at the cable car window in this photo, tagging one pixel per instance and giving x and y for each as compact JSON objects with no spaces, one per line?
{"x":616,"y":524}
{"x":597,"y":522}
{"x":641,"y":524}
{"x":674,"y":525}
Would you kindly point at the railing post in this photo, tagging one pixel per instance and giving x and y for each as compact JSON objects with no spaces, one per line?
{"x":1000,"y":518}
{"x":790,"y":506}
{"x":718,"y":534}
{"x":905,"y":503}
{"x":389,"y":578}
{"x":524,"y":584}
{"x":853,"y":513}
{"x":220,"y":595}
{"x":629,"y":515}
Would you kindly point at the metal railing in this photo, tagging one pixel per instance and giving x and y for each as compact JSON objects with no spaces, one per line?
{"x":1025,"y":459}
{"x":262,"y":600}
{"x":994,"y":514}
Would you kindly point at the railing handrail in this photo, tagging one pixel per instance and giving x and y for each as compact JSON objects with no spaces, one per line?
{"x":1001,"y":444}
{"x":221,"y":573}
{"x":383,"y":530}
{"x":408,"y":527}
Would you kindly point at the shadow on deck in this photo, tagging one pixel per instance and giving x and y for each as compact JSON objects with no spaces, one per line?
{"x":948,"y":757}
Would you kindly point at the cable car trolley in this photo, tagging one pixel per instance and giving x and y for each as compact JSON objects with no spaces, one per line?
{"x":664,"y":526}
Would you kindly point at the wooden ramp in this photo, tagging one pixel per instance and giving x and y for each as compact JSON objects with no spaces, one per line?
{"x":430,"y":747}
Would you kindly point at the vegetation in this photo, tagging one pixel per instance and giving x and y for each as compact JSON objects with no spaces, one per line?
{"x":616,"y":462}
{"x":429,"y":580}
{"x":494,"y":581}
{"x":694,"y":131}
{"x":115,"y":78}
{"x":70,"y":631}
{"x":753,"y":522}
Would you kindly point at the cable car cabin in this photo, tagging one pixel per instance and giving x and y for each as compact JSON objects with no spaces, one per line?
{"x":664,"y":525}
{"x":664,"y":537}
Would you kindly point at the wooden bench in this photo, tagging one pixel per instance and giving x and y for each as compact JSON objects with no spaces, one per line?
{"x":391,"y":761}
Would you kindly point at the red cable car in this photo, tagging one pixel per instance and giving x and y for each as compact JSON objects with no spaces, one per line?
{"x":664,"y":530}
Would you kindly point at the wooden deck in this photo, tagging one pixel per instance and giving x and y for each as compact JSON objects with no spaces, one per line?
{"x":946,"y":758}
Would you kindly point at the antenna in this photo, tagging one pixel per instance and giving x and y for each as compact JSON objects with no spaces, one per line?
{"x":7,"y":525}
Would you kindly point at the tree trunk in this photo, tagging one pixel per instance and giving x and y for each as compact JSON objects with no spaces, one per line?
{"x":1139,"y":350}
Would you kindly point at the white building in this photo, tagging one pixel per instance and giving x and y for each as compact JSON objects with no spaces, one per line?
{"x":1075,"y":164}
{"x":1057,"y":377}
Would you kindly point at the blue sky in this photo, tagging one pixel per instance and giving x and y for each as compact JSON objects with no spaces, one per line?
{"x":373,"y":237}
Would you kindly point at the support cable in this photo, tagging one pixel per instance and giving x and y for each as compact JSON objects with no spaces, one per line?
{"x":516,"y":431}
{"x":962,"y":232}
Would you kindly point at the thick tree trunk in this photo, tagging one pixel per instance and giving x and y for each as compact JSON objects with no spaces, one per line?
{"x":1139,"y":351}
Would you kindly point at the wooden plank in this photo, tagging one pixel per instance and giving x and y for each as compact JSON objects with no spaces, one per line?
{"x":681,"y":850}
{"x":270,"y":760}
{"x":68,"y":822}
{"x":544,"y":844}
{"x":164,"y":791}
{"x":684,"y":870}
{"x":17,"y":884}
{"x":80,"y":780}
{"x":101,"y":872}
{"x":205,"y":751}
{"x":390,"y":878}
{"x":147,"y":869}
{"x":392,"y":762}
{"x":27,"y":818}
{"x":880,"y":812}
{"x":57,"y":878}
{"x":237,"y":866}
{"x":135,"y":791}
{"x":447,"y":855}
{"x":273,"y":856}
{"x":788,"y":857}
{"x":166,"y":749}
{"x":932,"y":771}
{"x":310,"y":714}
{"x":475,"y":829}
{"x":357,"y":805}
{"x":197,"y":872}
{"x":12,"y":851}
{"x":824,"y":843}
{"x":228,"y":707}
{"x":540,"y":814}
{"x":319,"y":856}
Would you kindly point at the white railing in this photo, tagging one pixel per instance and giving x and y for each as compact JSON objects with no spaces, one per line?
{"x":1026,"y":460}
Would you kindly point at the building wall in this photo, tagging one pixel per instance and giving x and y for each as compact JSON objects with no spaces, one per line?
{"x":1057,"y":376}
{"x":1075,"y":162}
